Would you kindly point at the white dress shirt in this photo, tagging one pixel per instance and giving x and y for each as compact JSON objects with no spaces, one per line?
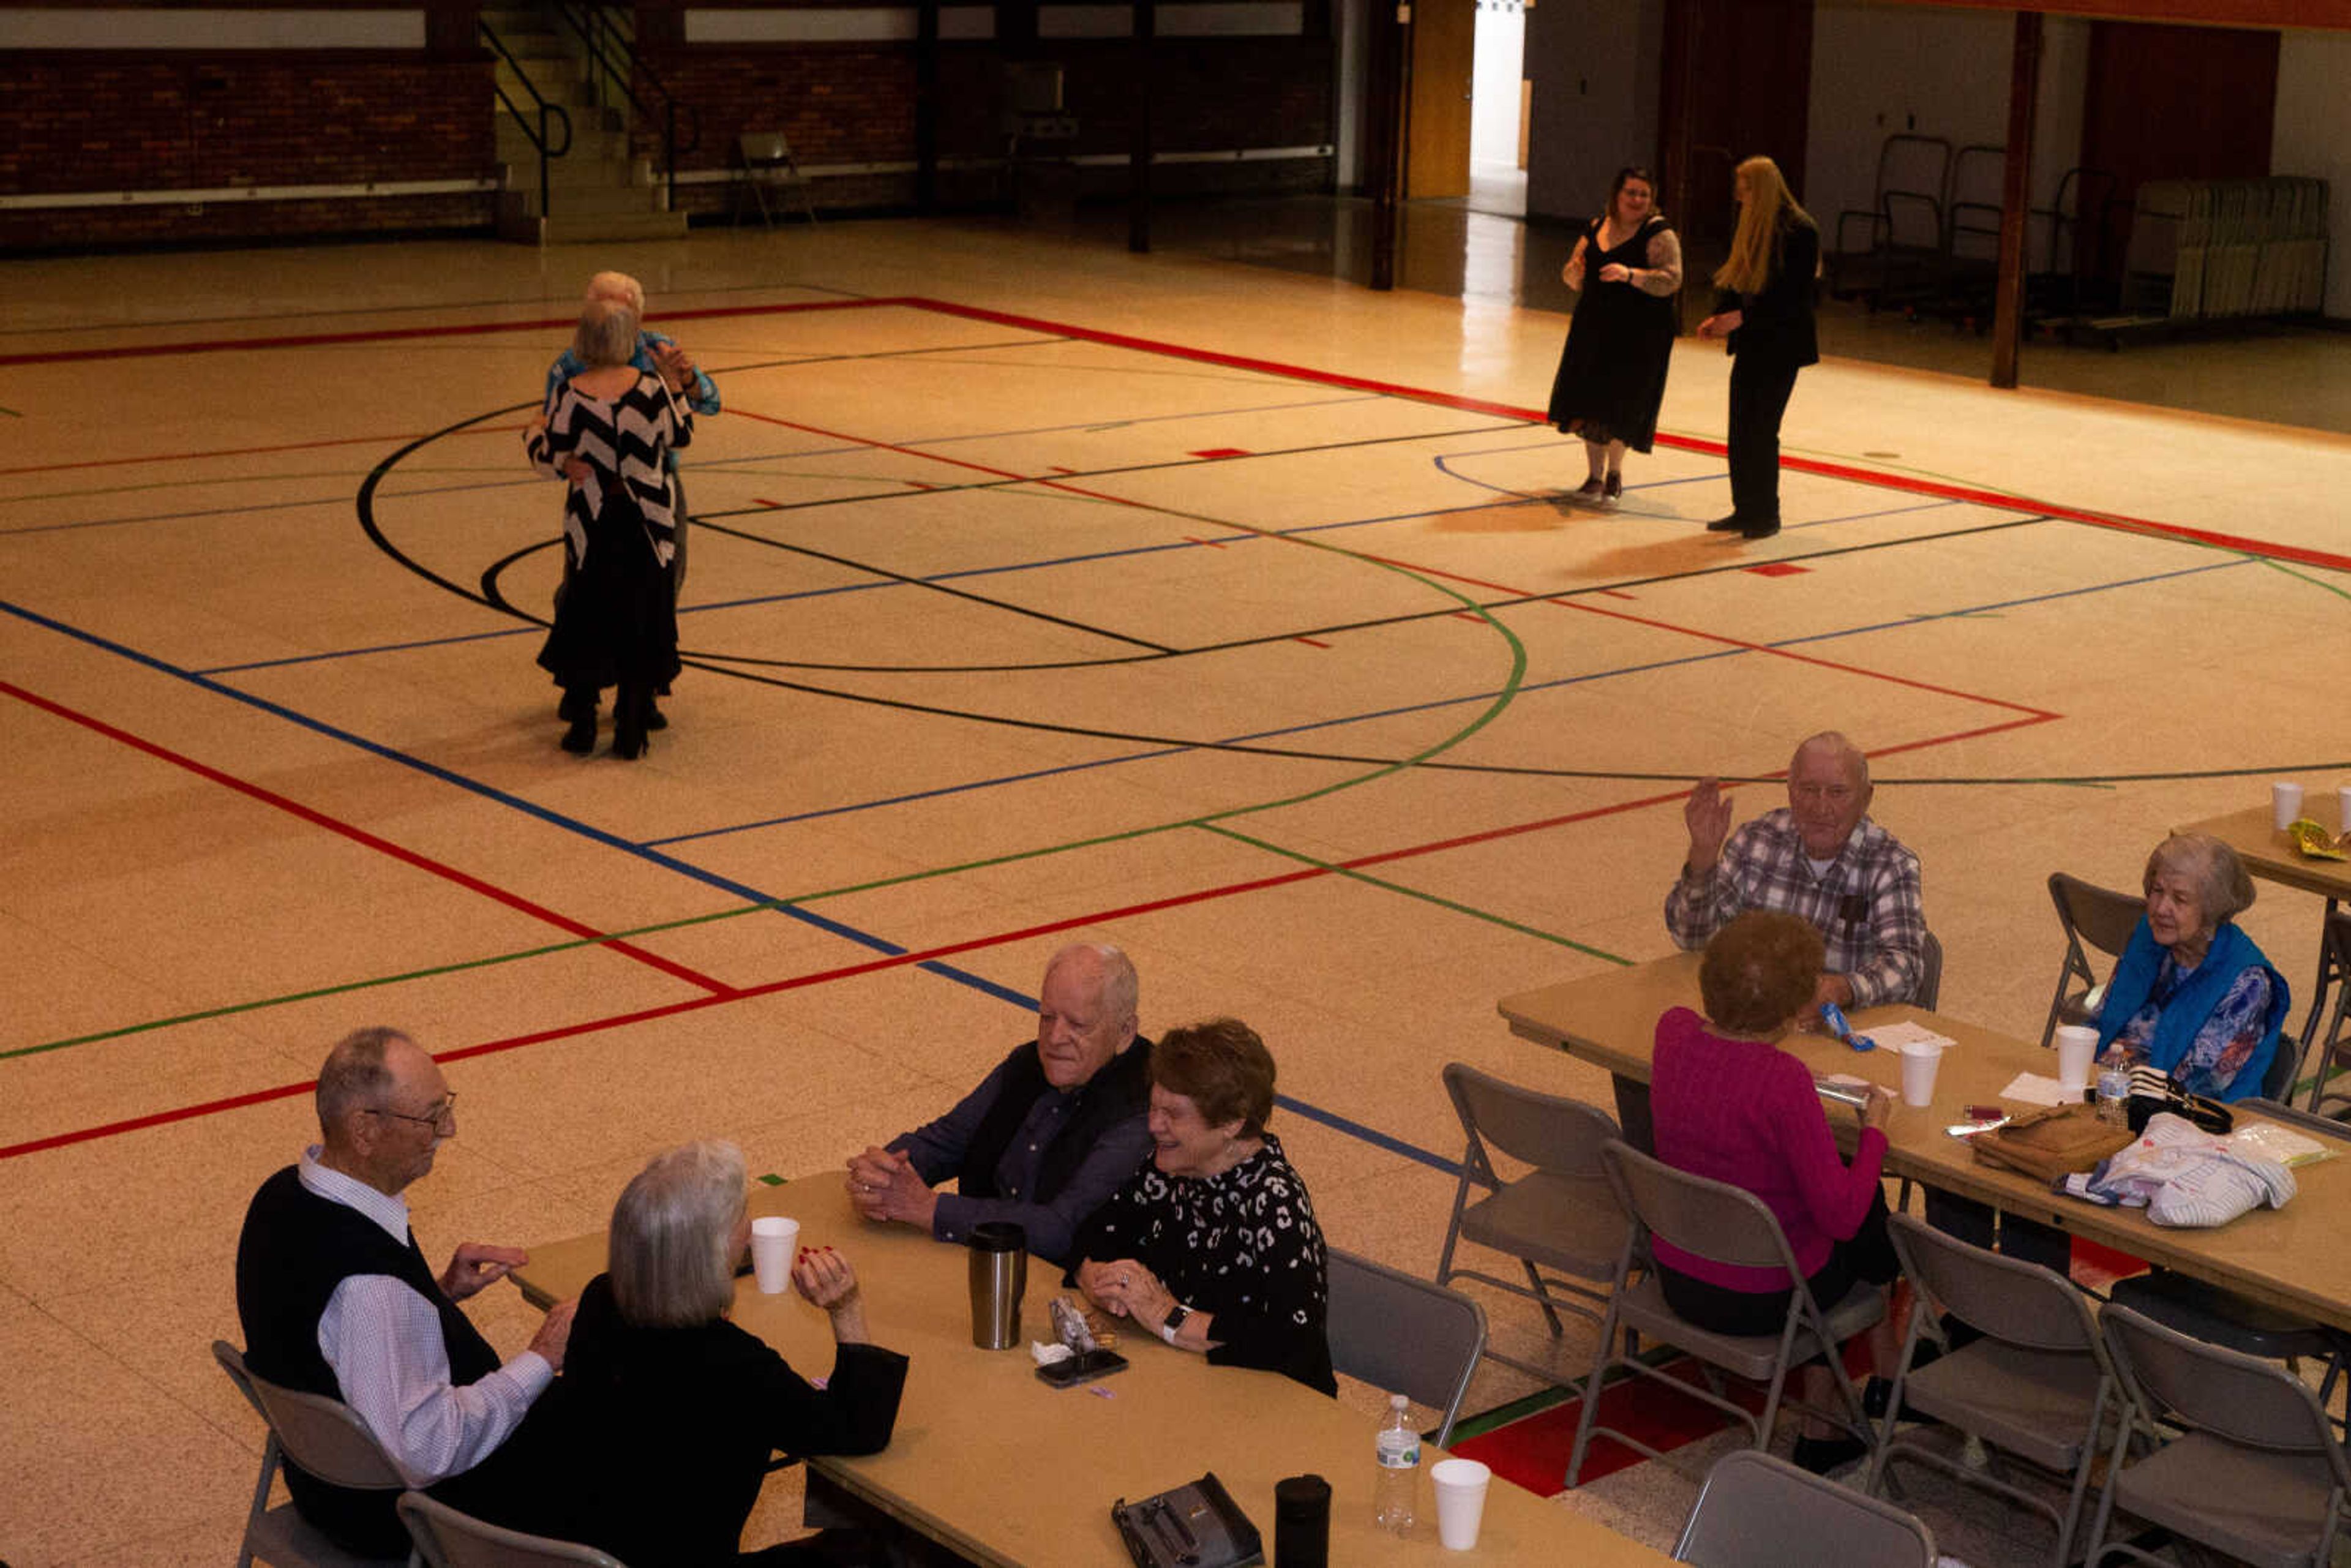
{"x":383,"y":1342}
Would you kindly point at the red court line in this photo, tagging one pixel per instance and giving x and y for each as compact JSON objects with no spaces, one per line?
{"x":1902,"y":483}
{"x":1907,"y":485}
{"x":221,"y":451}
{"x":361,"y":836}
{"x":901,"y":960}
{"x":411,"y":334}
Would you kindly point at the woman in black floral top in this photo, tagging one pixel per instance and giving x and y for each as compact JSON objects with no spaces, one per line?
{"x":1212,"y":1245}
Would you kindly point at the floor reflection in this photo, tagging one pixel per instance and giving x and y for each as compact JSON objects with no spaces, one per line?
{"x":1476,"y":248}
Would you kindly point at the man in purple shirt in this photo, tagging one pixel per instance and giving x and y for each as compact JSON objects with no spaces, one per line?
{"x":1047,"y":1136}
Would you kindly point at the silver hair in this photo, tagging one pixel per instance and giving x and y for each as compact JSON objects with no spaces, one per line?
{"x":1835,"y":742}
{"x":618,"y":286}
{"x":669,"y":1256}
{"x":1118,"y":986}
{"x":2222,"y":884}
{"x":607,"y":334}
{"x":355,"y":1078}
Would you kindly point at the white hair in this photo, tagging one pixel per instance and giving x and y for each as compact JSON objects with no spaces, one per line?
{"x":618,"y":286}
{"x":668,"y":1256}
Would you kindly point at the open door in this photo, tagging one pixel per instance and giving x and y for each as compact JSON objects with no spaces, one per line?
{"x":1444,"y":68}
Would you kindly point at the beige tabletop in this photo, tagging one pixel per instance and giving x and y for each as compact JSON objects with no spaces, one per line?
{"x":2254,"y":834}
{"x":1007,"y":1470}
{"x":2292,"y":1258}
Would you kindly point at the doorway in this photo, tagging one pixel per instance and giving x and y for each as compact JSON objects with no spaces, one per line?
{"x":1498,"y":111}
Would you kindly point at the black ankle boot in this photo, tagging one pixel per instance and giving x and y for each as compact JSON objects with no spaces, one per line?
{"x":629,"y":741}
{"x":580,"y":708}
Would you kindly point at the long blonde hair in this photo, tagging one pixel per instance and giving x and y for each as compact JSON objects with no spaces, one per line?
{"x":1767,"y":213}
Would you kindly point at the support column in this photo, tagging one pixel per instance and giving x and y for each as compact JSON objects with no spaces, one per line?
{"x":2015,"y":199}
{"x":1139,"y":146}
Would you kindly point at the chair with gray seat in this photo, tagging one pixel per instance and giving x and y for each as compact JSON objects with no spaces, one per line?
{"x":2222,"y":1317}
{"x":769,"y":166}
{"x":327,"y":1440}
{"x":2098,"y":917}
{"x":1561,"y":1216}
{"x":1929,"y":989}
{"x":1757,"y":1510}
{"x":2335,"y":969}
{"x":2259,"y":1474}
{"x":1723,"y":1224}
{"x":1400,"y":1332}
{"x":2037,"y":1384}
{"x":447,"y":1538}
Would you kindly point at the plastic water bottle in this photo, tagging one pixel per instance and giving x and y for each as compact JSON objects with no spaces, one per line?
{"x":2114,"y":1089}
{"x":1399,"y":1457}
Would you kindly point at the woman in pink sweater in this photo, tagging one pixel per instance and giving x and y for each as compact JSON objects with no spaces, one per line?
{"x":1730,"y":1104}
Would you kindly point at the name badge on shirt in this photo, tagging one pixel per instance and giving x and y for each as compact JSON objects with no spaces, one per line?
{"x":1853,"y":909}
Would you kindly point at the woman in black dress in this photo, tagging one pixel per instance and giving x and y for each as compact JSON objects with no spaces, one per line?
{"x":1765,"y":311}
{"x":1212,"y":1244}
{"x":608,"y":430}
{"x":1612,"y":374}
{"x":654,"y":1443}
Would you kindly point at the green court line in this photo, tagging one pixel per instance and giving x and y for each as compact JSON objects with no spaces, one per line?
{"x":1426,"y":897}
{"x":1502,"y":699}
{"x":2335,"y":589}
{"x":1542,"y":1399}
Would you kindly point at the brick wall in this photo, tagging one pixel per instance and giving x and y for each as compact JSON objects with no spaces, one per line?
{"x":157,"y":121}
{"x":855,"y":103}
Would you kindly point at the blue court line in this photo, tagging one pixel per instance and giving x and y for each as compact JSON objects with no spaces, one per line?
{"x":1370,"y":715}
{"x":961,"y":976}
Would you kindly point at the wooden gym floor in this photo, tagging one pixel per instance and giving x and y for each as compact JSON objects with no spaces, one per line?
{"x":1038,"y":594}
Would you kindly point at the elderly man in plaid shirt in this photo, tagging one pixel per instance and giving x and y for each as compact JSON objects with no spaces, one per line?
{"x":1821,"y":859}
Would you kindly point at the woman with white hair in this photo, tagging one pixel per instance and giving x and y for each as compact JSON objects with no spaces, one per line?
{"x":609,"y":430}
{"x":654,"y":1443}
{"x":1765,"y":312}
{"x":2191,"y":993}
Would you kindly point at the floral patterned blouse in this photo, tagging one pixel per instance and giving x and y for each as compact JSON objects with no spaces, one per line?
{"x":2225,"y":1043}
{"x":1242,"y":1246}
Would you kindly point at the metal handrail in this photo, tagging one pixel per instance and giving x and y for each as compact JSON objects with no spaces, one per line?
{"x":614,"y":54}
{"x":538,"y":135}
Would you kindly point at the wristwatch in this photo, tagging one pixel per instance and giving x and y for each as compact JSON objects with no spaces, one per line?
{"x":1175,"y":1316}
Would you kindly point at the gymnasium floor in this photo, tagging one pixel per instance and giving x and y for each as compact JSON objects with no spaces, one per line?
{"x":1039,"y":593}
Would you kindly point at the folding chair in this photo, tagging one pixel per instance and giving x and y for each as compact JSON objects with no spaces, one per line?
{"x":2104,"y":919}
{"x":1561,"y":1215}
{"x":2217,"y":1316}
{"x":325,"y":1438}
{"x":1404,"y":1335}
{"x":1760,"y":1511}
{"x":447,"y":1538}
{"x":1723,"y":1224}
{"x":1930,"y":973}
{"x":768,"y":165}
{"x":2037,"y":1384}
{"x":2334,"y":968}
{"x":2259,"y":1474}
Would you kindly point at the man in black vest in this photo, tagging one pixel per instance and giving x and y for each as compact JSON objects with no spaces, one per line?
{"x":1047,"y":1136}
{"x":336,"y":1299}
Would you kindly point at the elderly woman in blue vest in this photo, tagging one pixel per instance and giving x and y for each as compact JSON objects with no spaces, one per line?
{"x":2192,"y":994}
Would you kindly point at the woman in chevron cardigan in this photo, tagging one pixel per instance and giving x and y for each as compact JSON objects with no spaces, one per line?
{"x":608,"y":430}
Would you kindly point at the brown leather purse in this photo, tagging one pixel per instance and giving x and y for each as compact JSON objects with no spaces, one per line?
{"x":2059,"y":1141}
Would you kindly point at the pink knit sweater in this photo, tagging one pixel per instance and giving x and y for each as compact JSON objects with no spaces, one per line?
{"x":1743,"y":1112}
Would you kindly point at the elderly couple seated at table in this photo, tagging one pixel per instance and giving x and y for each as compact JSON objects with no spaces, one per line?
{"x":1146,"y":1169}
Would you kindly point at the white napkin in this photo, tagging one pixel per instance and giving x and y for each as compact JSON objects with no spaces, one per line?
{"x":1895,"y":1036}
{"x":2035,"y":1090}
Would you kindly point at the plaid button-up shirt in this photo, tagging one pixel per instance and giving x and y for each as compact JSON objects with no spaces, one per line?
{"x":1866,"y":908}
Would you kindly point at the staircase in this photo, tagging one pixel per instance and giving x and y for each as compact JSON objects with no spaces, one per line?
{"x":597,"y":191}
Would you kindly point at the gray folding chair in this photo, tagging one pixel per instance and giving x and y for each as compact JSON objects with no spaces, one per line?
{"x":2037,"y":1386}
{"x":1561,"y":1216}
{"x":2259,"y":1474}
{"x":325,"y":1438}
{"x":2098,"y":916}
{"x":1402,"y":1333}
{"x":2334,"y":967}
{"x":769,"y":166}
{"x":2222,"y":1317}
{"x":1930,"y":973}
{"x":1760,"y":1511}
{"x":447,"y":1538}
{"x":1724,"y":1224}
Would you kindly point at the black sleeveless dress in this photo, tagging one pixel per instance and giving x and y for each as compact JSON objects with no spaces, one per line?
{"x":1612,"y":374}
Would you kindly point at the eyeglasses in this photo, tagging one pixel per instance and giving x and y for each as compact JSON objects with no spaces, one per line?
{"x":442,"y":1120}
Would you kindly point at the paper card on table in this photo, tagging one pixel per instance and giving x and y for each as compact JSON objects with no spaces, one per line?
{"x":2035,"y":1090}
{"x":1895,"y":1036}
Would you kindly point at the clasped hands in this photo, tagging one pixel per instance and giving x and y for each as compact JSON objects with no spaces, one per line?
{"x":1125,"y":1289}
{"x":885,"y":1185}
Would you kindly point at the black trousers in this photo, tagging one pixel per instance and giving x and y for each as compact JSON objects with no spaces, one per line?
{"x":1760,"y":387}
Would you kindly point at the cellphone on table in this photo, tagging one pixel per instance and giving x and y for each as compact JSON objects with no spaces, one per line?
{"x":1083,"y":1367}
